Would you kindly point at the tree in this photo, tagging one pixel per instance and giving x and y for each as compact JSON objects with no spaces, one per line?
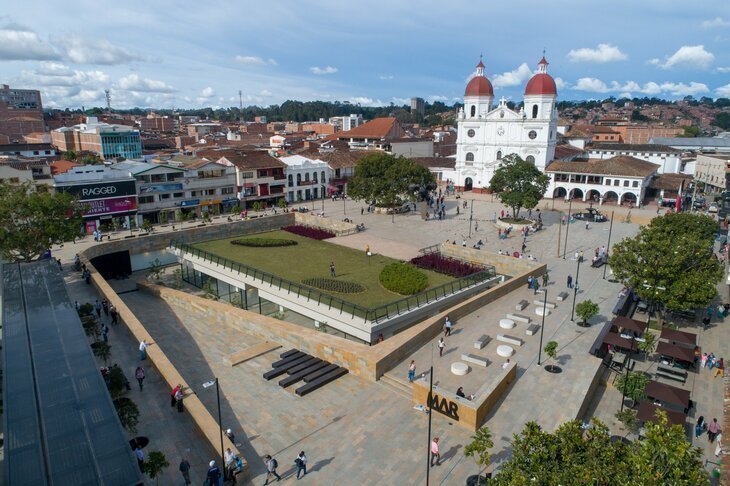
{"x":147,"y":225}
{"x":586,"y":310}
{"x":479,"y":447}
{"x":69,"y":155}
{"x":128,"y":413}
{"x":155,"y":270}
{"x":690,"y":132}
{"x":281,"y":202}
{"x":632,"y":385}
{"x":551,"y":349}
{"x":722,"y":120}
{"x":670,"y":263}
{"x":102,"y":350}
{"x":647,"y":344}
{"x":91,"y":327}
{"x":388,"y":180}
{"x":628,"y":418}
{"x":518,"y":183}
{"x":32,"y":221}
{"x":116,"y":382}
{"x":155,"y":465}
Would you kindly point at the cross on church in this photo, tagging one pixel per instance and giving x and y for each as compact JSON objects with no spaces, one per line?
{"x":502,"y":101}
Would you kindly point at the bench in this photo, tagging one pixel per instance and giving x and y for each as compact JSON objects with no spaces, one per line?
{"x":549,"y":305}
{"x":519,"y":318}
{"x":318,"y":373}
{"x":280,"y":370}
{"x":482,"y":341}
{"x":286,"y":354}
{"x":289,"y":358}
{"x":562,"y":296}
{"x":668,"y":376}
{"x":673,"y":371}
{"x":321,"y":381}
{"x":291,"y":379}
{"x":303,"y":365}
{"x":509,"y":339}
{"x":521,"y":305}
{"x":477,"y":360}
{"x":532,"y":329}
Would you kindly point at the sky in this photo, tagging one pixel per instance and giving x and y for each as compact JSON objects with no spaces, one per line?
{"x":184,"y":54}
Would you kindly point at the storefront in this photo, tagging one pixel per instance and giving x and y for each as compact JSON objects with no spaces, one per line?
{"x":107,"y":205}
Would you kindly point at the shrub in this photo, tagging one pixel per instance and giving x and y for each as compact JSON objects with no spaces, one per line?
{"x":448,"y":266}
{"x":309,"y":232}
{"x":334,"y":285}
{"x":263,"y":242}
{"x":86,"y":310}
{"x":128,"y":413}
{"x":403,"y":279}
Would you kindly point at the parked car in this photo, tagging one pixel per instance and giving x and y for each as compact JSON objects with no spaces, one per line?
{"x":713,"y":208}
{"x":699,"y":203}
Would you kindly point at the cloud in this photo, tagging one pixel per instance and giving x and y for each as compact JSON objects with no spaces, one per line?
{"x":18,"y":43}
{"x":97,"y":51}
{"x":365,"y":101}
{"x":723,"y":91}
{"x":591,"y":84}
{"x":325,"y":70}
{"x":723,"y":69}
{"x":651,"y":88}
{"x":716,"y":22}
{"x":255,"y":61}
{"x":265,"y":92}
{"x":513,"y":78}
{"x":401,"y":101}
{"x":687,"y":56}
{"x":601,"y":54}
{"x":133,"y":82}
{"x":681,"y":89}
{"x":57,"y":74}
{"x":207,"y":92}
{"x":560,"y":83}
{"x":385,"y":77}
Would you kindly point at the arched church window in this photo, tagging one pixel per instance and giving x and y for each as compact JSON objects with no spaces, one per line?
{"x":473,"y":111}
{"x":530,"y":159}
{"x":534,"y":111}
{"x":499,"y":155}
{"x":469,"y":157}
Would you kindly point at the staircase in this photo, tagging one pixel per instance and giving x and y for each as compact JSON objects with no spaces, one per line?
{"x":402,"y":388}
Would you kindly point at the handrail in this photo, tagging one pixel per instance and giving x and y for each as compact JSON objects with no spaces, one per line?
{"x":385,"y":311}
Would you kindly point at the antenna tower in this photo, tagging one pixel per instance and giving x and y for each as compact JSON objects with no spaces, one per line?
{"x":108,"y":94}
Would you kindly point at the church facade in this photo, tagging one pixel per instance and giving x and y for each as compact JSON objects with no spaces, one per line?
{"x":487,"y":132}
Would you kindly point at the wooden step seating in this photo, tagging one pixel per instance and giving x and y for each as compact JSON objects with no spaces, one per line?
{"x":509,"y":339}
{"x":482,"y":341}
{"x":548,"y":304}
{"x":562,"y":296}
{"x":519,"y":318}
{"x":321,"y":381}
{"x":298,"y":376}
{"x":289,"y":363}
{"x":300,"y":366}
{"x":477,"y":360}
{"x":521,"y":305}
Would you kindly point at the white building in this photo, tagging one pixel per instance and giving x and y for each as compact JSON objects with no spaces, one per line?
{"x":667,"y":159}
{"x":711,"y":170}
{"x":306,"y":178}
{"x":486,"y":132}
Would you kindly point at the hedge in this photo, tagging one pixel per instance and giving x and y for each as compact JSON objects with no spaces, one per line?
{"x":263,"y":242}
{"x":334,"y":285}
{"x":445,"y":265}
{"x":403,"y":279}
{"x":309,"y":231}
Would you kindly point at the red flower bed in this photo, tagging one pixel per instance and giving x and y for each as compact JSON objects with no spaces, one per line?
{"x":448,"y":266}
{"x":309,"y":232}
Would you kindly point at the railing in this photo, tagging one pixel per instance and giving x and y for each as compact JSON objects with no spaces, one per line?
{"x":373,"y":315}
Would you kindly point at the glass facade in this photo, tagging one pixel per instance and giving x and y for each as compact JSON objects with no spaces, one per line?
{"x":121,"y":144}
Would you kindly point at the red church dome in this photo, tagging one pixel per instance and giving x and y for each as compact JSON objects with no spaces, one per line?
{"x":479,"y":85}
{"x":541,"y":83}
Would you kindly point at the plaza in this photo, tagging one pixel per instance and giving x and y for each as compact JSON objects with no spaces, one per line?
{"x":367,"y":430}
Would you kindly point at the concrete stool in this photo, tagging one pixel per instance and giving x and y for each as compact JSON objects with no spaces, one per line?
{"x":506,"y":323}
{"x":538,"y":311}
{"x":459,"y":368}
{"x":504,"y":351}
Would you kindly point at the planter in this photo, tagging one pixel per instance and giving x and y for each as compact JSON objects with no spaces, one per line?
{"x":515,"y":226}
{"x":583,"y":324}
{"x":478,"y":480}
{"x":553,"y":369}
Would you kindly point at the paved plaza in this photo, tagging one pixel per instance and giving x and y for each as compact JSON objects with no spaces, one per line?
{"x":369,"y":432}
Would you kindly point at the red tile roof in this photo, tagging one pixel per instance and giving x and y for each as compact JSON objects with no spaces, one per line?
{"x":254,"y":160}
{"x":621,"y":165}
{"x":62,"y":166}
{"x":378,"y":128}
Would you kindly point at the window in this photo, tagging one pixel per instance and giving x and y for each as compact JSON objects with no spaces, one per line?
{"x":164,"y":196}
{"x":193,"y":193}
{"x":635,"y":184}
{"x":337,"y":172}
{"x":532,"y":135}
{"x":146,"y":199}
{"x":499,"y":155}
{"x":227,"y":190}
{"x":471,"y":133}
{"x":608,"y":182}
{"x":291,"y":180}
{"x":35,"y":152}
{"x":322,"y":177}
{"x":530,"y":159}
{"x":626,"y":183}
{"x":299,"y":179}
{"x":306,"y":177}
{"x":247,"y":175}
{"x":534,"y":111}
{"x":210,"y":192}
{"x":178,"y":194}
{"x":314,"y":177}
{"x":616,"y":182}
{"x":473,"y":111}
{"x":469,"y":157}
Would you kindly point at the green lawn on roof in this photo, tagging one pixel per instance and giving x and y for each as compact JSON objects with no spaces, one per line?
{"x":311,"y":258}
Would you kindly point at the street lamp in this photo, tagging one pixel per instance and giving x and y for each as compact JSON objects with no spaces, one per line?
{"x":567,"y":228}
{"x":430,"y":413}
{"x":608,"y":245}
{"x":206,"y":385}
{"x":542,"y":328}
{"x":575,"y":289}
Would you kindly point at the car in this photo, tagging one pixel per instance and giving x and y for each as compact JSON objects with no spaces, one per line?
{"x":713,"y":208}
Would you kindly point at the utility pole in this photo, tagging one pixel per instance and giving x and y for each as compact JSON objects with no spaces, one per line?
{"x":542,"y":328}
{"x":430,"y":413}
{"x":608,"y":245}
{"x":240,"y":106}
{"x":560,"y":228}
{"x":471,"y":216}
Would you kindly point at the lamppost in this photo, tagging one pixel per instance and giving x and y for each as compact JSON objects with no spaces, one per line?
{"x":567,"y":228}
{"x":430,"y":413}
{"x":206,"y":385}
{"x":542,"y":328}
{"x":608,"y":245}
{"x":575,"y":289}
{"x":471,"y":216}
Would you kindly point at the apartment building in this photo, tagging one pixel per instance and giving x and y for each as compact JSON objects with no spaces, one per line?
{"x":21,"y":112}
{"x":712,"y":169}
{"x":259,"y":177}
{"x":19,"y":170}
{"x":306,"y":178}
{"x":105,"y":140}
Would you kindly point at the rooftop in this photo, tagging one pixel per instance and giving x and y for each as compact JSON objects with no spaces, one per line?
{"x":621,"y":165}
{"x":435,"y":162}
{"x":692,"y":142}
{"x":253,"y":160}
{"x":377,"y":128}
{"x":634,"y":147}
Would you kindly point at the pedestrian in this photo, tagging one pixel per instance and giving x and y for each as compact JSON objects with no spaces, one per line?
{"x":501,"y":214}
{"x":105,"y":333}
{"x":115,"y":315}
{"x":588,"y":225}
{"x":185,"y":470}
{"x":87,"y":276}
{"x":447,"y":327}
{"x":97,"y":308}
{"x":545,"y":278}
{"x":139,"y":374}
{"x":580,"y":256}
{"x":179,"y":400}
{"x":537,"y":285}
{"x":362,"y":210}
{"x":719,"y":368}
{"x":140,"y":457}
{"x":301,"y":463}
{"x":494,"y":219}
{"x":570,"y":282}
{"x":700,"y":427}
{"x":271,"y":466}
{"x":173,"y":393}
{"x":712,"y":430}
{"x":411,"y":371}
{"x":143,"y":345}
{"x":105,"y":307}
{"x":442,"y":344}
{"x":435,"y":451}
{"x":457,"y":210}
{"x":214,"y":474}
{"x":332,"y":269}
{"x":705,"y":322}
{"x":524,"y":247}
{"x":529,"y":282}
{"x":562,"y":220}
{"x":229,"y":458}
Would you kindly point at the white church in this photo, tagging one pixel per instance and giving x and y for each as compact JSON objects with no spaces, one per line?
{"x":487,"y":132}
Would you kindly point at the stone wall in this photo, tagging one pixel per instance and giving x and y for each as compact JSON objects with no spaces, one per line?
{"x":340,"y":228}
{"x":504,"y":264}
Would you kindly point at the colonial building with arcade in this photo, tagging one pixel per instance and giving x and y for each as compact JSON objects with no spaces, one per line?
{"x":487,"y":132}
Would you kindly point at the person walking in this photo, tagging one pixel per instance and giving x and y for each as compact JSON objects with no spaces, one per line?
{"x":105,"y":333}
{"x":712,"y":430}
{"x":447,"y":327}
{"x":441,"y":345}
{"x":412,"y":371}
{"x":271,"y":466}
{"x":113,"y":312}
{"x":139,"y":374}
{"x":173,"y":394}
{"x":179,"y":400}
{"x":435,"y":451}
{"x":332,"y":270}
{"x":545,"y":278}
{"x":301,"y":463}
{"x":214,"y":474}
{"x":570,"y":282}
{"x":140,"y":457}
{"x":105,"y":307}
{"x":143,"y":345}
{"x":97,"y":307}
{"x":700,"y":427}
{"x":185,"y":470}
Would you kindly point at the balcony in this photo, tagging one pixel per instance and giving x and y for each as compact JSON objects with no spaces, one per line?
{"x":279,"y":177}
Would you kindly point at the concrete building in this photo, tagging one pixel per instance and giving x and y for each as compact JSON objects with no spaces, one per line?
{"x":711,"y":170}
{"x":107,"y":141}
{"x":696,"y":144}
{"x":259,"y":177}
{"x":21,"y":112}
{"x":418,"y":106}
{"x":306,"y":178}
{"x":19,"y":170}
{"x":342,"y":166}
{"x":158,"y":124}
{"x":159,"y":189}
{"x":620,"y":179}
{"x":203,"y":128}
{"x":31,"y":150}
{"x":411,"y":147}
{"x":668,"y":159}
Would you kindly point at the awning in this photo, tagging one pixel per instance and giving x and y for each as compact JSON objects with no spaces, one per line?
{"x":681,"y":337}
{"x":647,"y":411}
{"x":667,"y":393}
{"x":208,"y":203}
{"x":630,"y":324}
{"x":615,"y":339}
{"x":676,"y":352}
